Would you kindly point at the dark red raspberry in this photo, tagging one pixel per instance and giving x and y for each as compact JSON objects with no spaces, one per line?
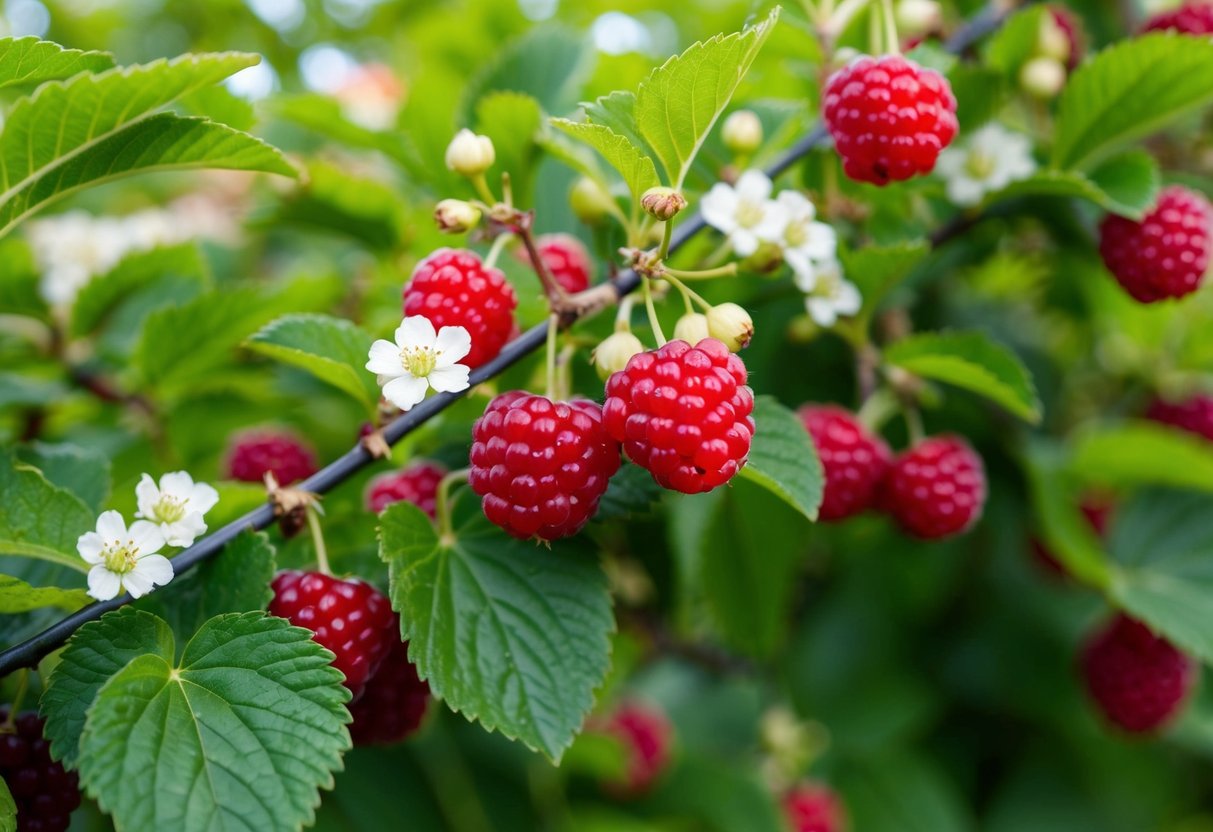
{"x":1167,"y":253}
{"x":647,"y":736}
{"x":416,"y":483}
{"x":541,"y":466}
{"x":814,"y":807}
{"x":1097,"y":510}
{"x":1068,"y":25}
{"x":1195,"y":414}
{"x":935,"y":489}
{"x":683,"y":414}
{"x":452,"y":287}
{"x":1192,"y":18}
{"x":889,"y":117}
{"x":1138,"y":680}
{"x":348,"y":616}
{"x":252,"y":455}
{"x":45,"y":793}
{"x":394,"y":702}
{"x":853,"y":459}
{"x":566,"y":258}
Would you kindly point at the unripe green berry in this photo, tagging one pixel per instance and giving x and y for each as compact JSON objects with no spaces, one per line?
{"x":692,"y":328}
{"x":591,"y":203}
{"x":742,"y":132}
{"x":454,"y":216}
{"x":1053,"y":41}
{"x":731,"y":325}
{"x":1042,"y":77}
{"x":613,"y":353}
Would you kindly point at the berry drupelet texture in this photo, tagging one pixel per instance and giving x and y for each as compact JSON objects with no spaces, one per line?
{"x":417,"y":483}
{"x":394,"y":703}
{"x":1194,"y":414}
{"x":647,"y":736}
{"x":1192,"y":18}
{"x":253,"y":455}
{"x":814,"y":807}
{"x":936,"y":489}
{"x":1165,"y":255}
{"x":45,"y":793}
{"x":853,"y":459}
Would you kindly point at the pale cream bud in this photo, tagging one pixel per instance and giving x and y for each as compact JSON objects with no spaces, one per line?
{"x":915,"y":17}
{"x":591,"y":203}
{"x":742,"y":132}
{"x":454,"y":216}
{"x":730,"y":324}
{"x":1053,"y":41}
{"x":1042,"y":77}
{"x":662,"y":203}
{"x":692,"y":328}
{"x":470,"y":154}
{"x":613,"y":353}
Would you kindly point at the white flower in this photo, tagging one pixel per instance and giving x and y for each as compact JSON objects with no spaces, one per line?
{"x":420,"y":359}
{"x":828,"y":295}
{"x":992,"y":158}
{"x":124,"y":558}
{"x":805,"y":241}
{"x":176,"y":505}
{"x":745,"y":212}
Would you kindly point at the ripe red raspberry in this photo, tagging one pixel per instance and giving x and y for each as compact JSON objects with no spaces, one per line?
{"x":853,"y":459}
{"x":541,"y":466}
{"x":251,"y":455}
{"x":1195,"y":415}
{"x":416,"y":483}
{"x":683,"y":414}
{"x":452,"y":287}
{"x":1138,"y":680}
{"x":566,"y":258}
{"x":814,"y":807}
{"x":394,"y":702}
{"x":935,"y":489}
{"x":889,"y":117}
{"x":349,"y":617}
{"x":45,"y":793}
{"x":647,"y":736}
{"x":1192,"y":18}
{"x":1167,"y":253}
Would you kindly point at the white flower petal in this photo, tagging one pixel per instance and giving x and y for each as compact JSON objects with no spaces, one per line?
{"x":450,"y":379}
{"x":848,"y":300}
{"x":452,"y":345}
{"x":185,"y":531}
{"x":154,"y":569}
{"x":773,"y":223}
{"x":745,"y":242}
{"x":821,"y":310}
{"x":719,"y":208}
{"x":178,"y":484}
{"x":202,"y":498}
{"x":415,"y":331}
{"x":754,"y":185}
{"x":406,"y":391}
{"x":111,"y":526}
{"x":797,"y":206}
{"x":146,"y":495}
{"x":966,"y":192}
{"x":147,"y":537}
{"x":384,"y":359}
{"x":822,"y":243}
{"x":89,"y":545}
{"x":103,"y":584}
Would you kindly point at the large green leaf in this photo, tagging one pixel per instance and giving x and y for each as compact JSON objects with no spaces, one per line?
{"x":242,"y":734}
{"x":83,"y":471}
{"x":972,"y":361}
{"x":1143,"y":453}
{"x":332,"y":349}
{"x":509,"y":633}
{"x":513,"y":120}
{"x":18,"y":596}
{"x":38,"y":519}
{"x":1126,"y":184}
{"x":1066,"y":532}
{"x":104,"y":293}
{"x":783,"y":459}
{"x":8,"y":809}
{"x":876,"y":270}
{"x":1016,"y":41}
{"x":901,"y":792}
{"x":633,"y":165}
{"x":677,"y":105}
{"x":29,"y":60}
{"x":1129,"y":90}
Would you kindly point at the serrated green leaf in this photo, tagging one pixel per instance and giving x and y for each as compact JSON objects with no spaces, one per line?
{"x":1131,"y":89}
{"x":104,"y":293}
{"x":241,"y":735}
{"x":18,"y":596}
{"x":29,"y":60}
{"x":783,"y":459}
{"x":630,"y":492}
{"x":94,"y":653}
{"x":1143,"y":453}
{"x":548,"y":63}
{"x":677,"y":105}
{"x":972,"y":361}
{"x":633,"y":165}
{"x":508,"y":633}
{"x":332,"y":349}
{"x":83,"y":471}
{"x":1125,"y":185}
{"x":8,"y":809}
{"x":38,"y":519}
{"x":876,"y":270}
{"x":616,"y":112}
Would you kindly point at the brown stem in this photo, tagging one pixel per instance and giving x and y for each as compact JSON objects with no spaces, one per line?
{"x":555,"y":292}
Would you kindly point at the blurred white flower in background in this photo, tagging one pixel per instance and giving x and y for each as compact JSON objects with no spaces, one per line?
{"x":745,"y":212}
{"x":828,"y":295}
{"x":805,"y":241}
{"x":123,"y":558}
{"x":420,"y":359}
{"x":990,"y":159}
{"x":177,"y":505}
{"x":370,"y":96}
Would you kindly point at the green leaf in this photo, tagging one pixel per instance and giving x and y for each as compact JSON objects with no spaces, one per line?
{"x":1143,"y":453}
{"x":332,"y":349}
{"x":901,"y":792}
{"x":8,"y":809}
{"x":633,"y":165}
{"x":1131,"y":89}
{"x":99,"y":297}
{"x":509,"y":633}
{"x":18,"y":596}
{"x":876,"y":270}
{"x":83,"y":471}
{"x":323,"y":114}
{"x":783,"y":459}
{"x":241,"y":735}
{"x":1016,"y":42}
{"x":332,"y":200}
{"x":1162,"y":541}
{"x":630,"y":492}
{"x":677,"y":105}
{"x":1067,"y":533}
{"x":94,"y":653}
{"x":38,"y":519}
{"x":548,"y":63}
{"x":972,"y":361}
{"x":237,"y":580}
{"x":513,"y":120}
{"x":1126,"y":184}
{"x":616,"y":112}
{"x":31,"y":61}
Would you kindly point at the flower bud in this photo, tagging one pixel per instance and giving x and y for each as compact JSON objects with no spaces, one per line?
{"x":663,"y":203}
{"x":1053,"y":42}
{"x":742,"y":132}
{"x":454,"y":216}
{"x":470,"y":154}
{"x":914,"y":17}
{"x":613,"y":353}
{"x":591,"y":203}
{"x":692,"y":328}
{"x":1042,"y":77}
{"x":730,"y":324}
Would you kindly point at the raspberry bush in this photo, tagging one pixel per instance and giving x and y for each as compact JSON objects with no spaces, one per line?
{"x":551,"y":416}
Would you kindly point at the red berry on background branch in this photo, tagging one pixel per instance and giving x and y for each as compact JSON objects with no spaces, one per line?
{"x":647,"y":736}
{"x":45,"y":793}
{"x":1194,"y":414}
{"x":541,"y":466}
{"x":1139,"y":680}
{"x":566,"y":258}
{"x":1192,"y":18}
{"x":814,"y":807}
{"x":1165,"y":255}
{"x":348,"y":616}
{"x":1098,"y":511}
{"x":683,"y":414}
{"x":393,"y":704}
{"x":889,"y":117}
{"x":416,"y":483}
{"x":853,"y":459}
{"x":452,"y":287}
{"x":252,"y":455}
{"x":936,"y":489}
